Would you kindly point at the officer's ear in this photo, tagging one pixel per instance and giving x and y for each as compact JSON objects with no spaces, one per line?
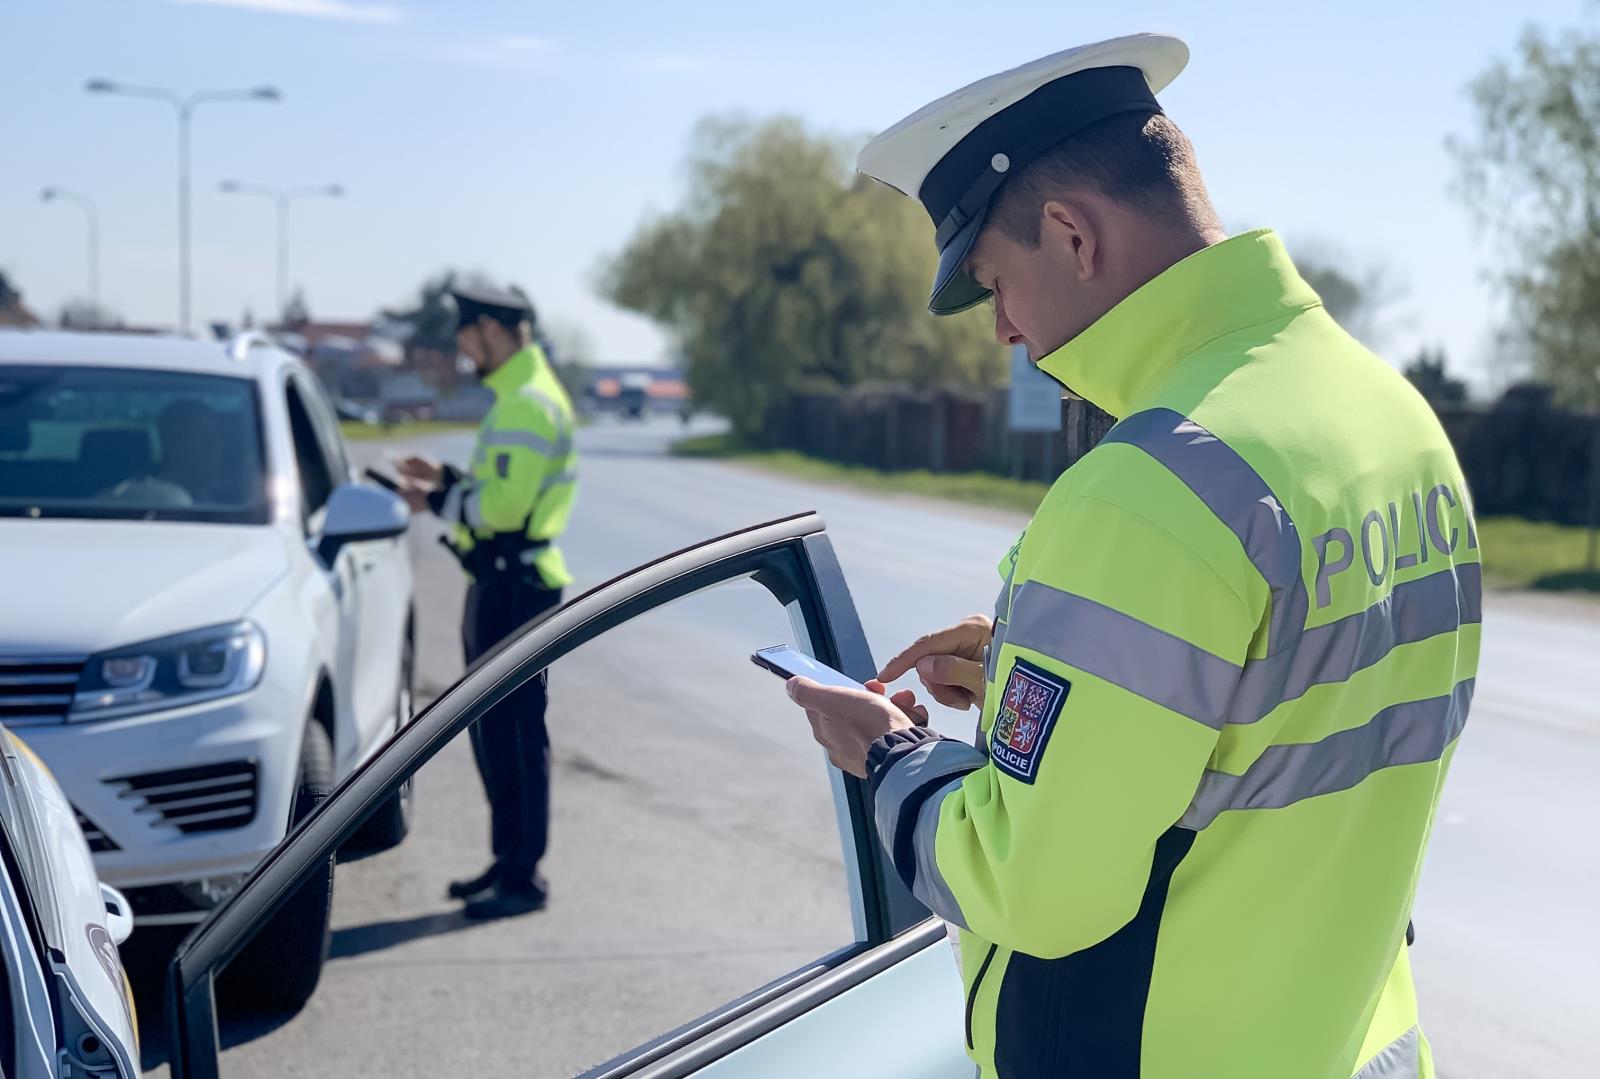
{"x":1070,"y":227}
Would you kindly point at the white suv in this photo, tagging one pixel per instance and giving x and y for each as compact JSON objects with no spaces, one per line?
{"x":207,"y":622}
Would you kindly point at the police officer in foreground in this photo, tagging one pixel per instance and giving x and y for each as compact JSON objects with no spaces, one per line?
{"x":507,"y":513}
{"x":1233,"y":650}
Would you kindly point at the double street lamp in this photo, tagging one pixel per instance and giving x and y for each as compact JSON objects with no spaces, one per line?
{"x":282,"y":196}
{"x":184,"y":106}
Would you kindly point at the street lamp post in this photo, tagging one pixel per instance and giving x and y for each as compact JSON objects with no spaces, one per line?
{"x":52,"y":194}
{"x":282,"y":196}
{"x":184,"y":107}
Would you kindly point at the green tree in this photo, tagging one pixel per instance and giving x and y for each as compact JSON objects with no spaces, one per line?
{"x":784,"y":270}
{"x":12,"y":311}
{"x":1531,"y":170}
{"x":431,"y":316}
{"x":570,"y":350}
{"x":295,"y":311}
{"x":1355,"y":299}
{"x":1427,"y":372}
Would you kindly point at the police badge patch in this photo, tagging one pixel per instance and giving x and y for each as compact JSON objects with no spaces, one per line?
{"x":1028,"y":711}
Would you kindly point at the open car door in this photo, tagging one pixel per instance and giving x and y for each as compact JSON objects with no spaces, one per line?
{"x":883,"y":999}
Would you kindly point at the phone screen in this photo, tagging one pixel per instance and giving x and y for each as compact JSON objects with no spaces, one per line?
{"x":788,"y":662}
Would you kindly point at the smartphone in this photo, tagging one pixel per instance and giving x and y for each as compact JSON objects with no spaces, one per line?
{"x":787,"y":662}
{"x":382,"y":481}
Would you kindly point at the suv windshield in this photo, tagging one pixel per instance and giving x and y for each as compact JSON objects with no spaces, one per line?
{"x":118,"y":443}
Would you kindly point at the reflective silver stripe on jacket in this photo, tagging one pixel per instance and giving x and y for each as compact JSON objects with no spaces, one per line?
{"x":932,"y":761}
{"x":1002,"y":615}
{"x":1414,"y":611}
{"x":1102,"y":641}
{"x":451,"y":509}
{"x":557,"y":479}
{"x":1240,"y":499}
{"x":528,"y":440}
{"x":472,"y":509}
{"x":558,"y":418}
{"x":1297,"y":658}
{"x":1400,"y":1059}
{"x":929,"y":885}
{"x":1415,"y":732}
{"x":940,"y":763}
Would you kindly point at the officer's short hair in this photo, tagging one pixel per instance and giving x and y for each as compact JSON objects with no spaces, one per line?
{"x":1139,"y":159}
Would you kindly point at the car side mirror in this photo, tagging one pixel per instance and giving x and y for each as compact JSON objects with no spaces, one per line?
{"x":356,"y":514}
{"x":119,"y":915}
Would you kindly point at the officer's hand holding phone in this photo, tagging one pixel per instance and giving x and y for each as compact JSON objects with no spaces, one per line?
{"x":846,"y":716}
{"x":425,"y":470}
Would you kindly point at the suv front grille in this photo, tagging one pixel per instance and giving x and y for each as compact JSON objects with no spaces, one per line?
{"x":205,"y":799}
{"x":37,"y":691}
{"x":99,"y":842}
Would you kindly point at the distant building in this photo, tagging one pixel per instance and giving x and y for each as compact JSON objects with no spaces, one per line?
{"x":356,"y":364}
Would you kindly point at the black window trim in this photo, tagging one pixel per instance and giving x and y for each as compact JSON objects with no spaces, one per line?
{"x":311,"y":520}
{"x":325,"y":423}
{"x":791,"y":557}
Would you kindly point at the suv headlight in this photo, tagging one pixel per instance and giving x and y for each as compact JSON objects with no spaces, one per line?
{"x":202,"y":665}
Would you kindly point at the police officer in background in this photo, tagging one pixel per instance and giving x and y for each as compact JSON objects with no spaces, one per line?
{"x":1232,"y":652}
{"x":506,"y":513}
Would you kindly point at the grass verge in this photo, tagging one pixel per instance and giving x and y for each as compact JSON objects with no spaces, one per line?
{"x":972,"y":488}
{"x":1534,"y":554}
{"x":366,"y":432}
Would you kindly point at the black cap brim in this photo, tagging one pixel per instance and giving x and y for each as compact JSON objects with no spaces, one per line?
{"x":954,"y":290}
{"x":503,"y":307}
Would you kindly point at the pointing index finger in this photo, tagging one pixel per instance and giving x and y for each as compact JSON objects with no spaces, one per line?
{"x":927,"y":645}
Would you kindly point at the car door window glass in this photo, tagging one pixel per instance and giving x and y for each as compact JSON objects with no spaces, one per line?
{"x":317,"y":478}
{"x":327,"y":428}
{"x":694,"y":857}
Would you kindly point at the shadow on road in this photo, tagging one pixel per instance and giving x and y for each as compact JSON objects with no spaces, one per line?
{"x":147,"y":966}
{"x":376,"y":936}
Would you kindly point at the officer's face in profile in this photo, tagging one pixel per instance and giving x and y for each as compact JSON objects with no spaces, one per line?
{"x":470,"y":342}
{"x":1046,"y":294}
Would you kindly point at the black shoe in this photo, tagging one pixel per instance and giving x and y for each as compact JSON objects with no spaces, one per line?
{"x":505,"y":902}
{"x":467,"y":889}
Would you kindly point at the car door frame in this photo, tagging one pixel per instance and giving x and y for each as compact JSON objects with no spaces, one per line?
{"x":794,"y":560}
{"x":341,"y":631}
{"x":380,"y":568}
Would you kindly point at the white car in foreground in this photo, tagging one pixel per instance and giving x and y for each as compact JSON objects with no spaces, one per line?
{"x":65,"y":1005}
{"x":207,"y":621}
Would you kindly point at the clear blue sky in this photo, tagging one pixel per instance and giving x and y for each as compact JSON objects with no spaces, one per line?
{"x":528,"y":140}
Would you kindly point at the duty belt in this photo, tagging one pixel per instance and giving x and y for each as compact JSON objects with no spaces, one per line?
{"x":498,"y":554}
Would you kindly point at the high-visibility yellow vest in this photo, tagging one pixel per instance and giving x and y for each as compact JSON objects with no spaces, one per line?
{"x":1233,"y":653}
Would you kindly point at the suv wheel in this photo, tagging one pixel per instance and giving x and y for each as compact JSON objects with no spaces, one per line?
{"x":279,"y":969}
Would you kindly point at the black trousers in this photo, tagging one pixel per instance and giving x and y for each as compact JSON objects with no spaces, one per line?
{"x":510,"y":742}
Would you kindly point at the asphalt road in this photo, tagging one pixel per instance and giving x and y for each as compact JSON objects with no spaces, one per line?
{"x":694,"y":855}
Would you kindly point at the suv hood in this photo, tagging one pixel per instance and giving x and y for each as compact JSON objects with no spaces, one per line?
{"x":75,"y":587}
